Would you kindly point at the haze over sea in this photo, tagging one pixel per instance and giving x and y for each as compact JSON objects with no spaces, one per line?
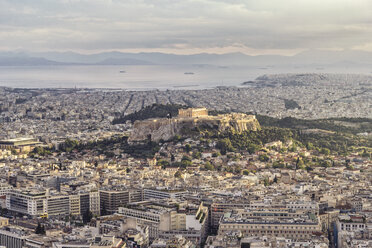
{"x":143,"y":77}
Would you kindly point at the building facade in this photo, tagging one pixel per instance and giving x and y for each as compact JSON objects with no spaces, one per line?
{"x":192,"y":112}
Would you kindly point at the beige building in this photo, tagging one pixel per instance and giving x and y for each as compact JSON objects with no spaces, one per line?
{"x":219,"y":208}
{"x":192,"y":112}
{"x":4,"y":221}
{"x":75,"y":205}
{"x":328,"y":218}
{"x":165,"y":222}
{"x":111,"y":200}
{"x":20,"y":144}
{"x":271,"y":222}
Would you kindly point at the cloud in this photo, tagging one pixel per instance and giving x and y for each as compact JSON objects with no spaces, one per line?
{"x":185,"y":26}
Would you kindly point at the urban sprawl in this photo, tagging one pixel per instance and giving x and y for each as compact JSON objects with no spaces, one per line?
{"x":72,"y":176}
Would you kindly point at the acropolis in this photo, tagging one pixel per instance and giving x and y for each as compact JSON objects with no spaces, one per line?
{"x":165,"y":129}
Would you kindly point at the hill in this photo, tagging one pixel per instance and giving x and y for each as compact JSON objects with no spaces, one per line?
{"x":152,"y":111}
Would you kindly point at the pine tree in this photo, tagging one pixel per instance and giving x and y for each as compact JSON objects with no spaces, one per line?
{"x":38,"y":228}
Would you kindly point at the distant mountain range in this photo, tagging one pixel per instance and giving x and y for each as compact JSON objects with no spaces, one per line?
{"x":308,"y":58}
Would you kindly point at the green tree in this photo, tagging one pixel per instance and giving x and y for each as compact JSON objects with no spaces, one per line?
{"x":275,"y":180}
{"x":208,"y":166}
{"x":366,"y":154}
{"x":237,"y":170}
{"x":225,"y":146}
{"x":196,"y":155}
{"x":263,"y":158}
{"x":162,"y":162}
{"x":87,"y":216}
{"x":216,"y":154}
{"x":300,"y":164}
{"x":326,"y":163}
{"x":187,"y":148}
{"x":177,"y":174}
{"x":309,"y":146}
{"x":325,"y":151}
{"x":40,"y":229}
{"x":186,"y":161}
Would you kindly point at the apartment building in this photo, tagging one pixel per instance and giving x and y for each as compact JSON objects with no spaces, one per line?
{"x":271,"y":222}
{"x":304,"y":205}
{"x":353,"y":231}
{"x":5,"y":188}
{"x":41,"y":203}
{"x":163,"y":194}
{"x":165,"y":221}
{"x":58,"y":205}
{"x":12,"y":237}
{"x":111,"y":200}
{"x":75,"y":205}
{"x":219,"y":208}
{"x":30,"y":202}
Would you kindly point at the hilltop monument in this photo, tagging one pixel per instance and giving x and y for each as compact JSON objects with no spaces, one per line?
{"x":192,"y":112}
{"x":167,"y":128}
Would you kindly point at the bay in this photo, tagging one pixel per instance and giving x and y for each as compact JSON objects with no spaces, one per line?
{"x":143,"y":77}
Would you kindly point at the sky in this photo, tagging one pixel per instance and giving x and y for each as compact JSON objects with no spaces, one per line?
{"x":253,"y":27}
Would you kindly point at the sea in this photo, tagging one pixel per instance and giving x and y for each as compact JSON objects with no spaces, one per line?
{"x":146,"y":77}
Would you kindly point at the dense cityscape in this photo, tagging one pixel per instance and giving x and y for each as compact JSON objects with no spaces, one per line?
{"x":282,"y":161}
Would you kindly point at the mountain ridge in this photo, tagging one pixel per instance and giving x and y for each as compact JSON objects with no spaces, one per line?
{"x":306,"y":58}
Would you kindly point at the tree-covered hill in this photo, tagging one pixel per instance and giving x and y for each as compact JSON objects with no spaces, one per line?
{"x":343,"y":125}
{"x":152,"y":111}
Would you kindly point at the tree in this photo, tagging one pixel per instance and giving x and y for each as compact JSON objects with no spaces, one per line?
{"x":40,"y":229}
{"x":163,"y":162}
{"x":300,"y":164}
{"x":187,"y":148}
{"x":263,"y":158}
{"x":293,"y":148}
{"x":87,"y":216}
{"x":208,"y":166}
{"x":225,"y":145}
{"x":275,"y":180}
{"x":103,"y":210}
{"x":325,"y":151}
{"x":196,"y":155}
{"x":366,"y":154}
{"x":252,"y":148}
{"x":309,"y":146}
{"x":186,"y":161}
{"x":237,"y":170}
{"x":326,"y":163}
{"x":216,"y":154}
{"x":177,"y":174}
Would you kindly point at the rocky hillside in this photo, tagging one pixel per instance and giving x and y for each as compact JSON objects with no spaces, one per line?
{"x":161,"y":128}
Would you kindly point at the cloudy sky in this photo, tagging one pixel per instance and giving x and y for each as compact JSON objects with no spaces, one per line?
{"x":186,"y":26}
